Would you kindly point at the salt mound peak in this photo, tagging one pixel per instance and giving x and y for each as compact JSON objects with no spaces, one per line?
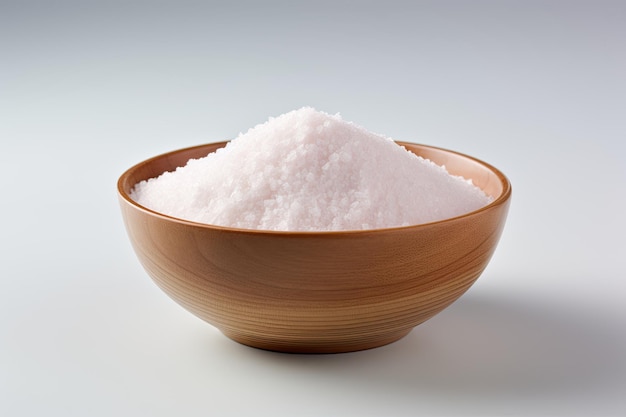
{"x":307,"y":170}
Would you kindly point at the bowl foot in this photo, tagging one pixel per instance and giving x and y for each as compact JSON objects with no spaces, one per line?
{"x":315,"y":346}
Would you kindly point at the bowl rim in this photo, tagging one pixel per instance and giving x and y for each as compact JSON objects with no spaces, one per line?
{"x":503,"y":198}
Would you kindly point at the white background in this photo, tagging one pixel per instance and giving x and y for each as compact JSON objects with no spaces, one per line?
{"x":88,"y":89}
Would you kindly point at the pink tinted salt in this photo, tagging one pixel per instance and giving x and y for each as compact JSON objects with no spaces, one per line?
{"x":310,"y":171}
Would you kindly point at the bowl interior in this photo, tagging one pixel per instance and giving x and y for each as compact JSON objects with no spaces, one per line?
{"x":483,"y":175}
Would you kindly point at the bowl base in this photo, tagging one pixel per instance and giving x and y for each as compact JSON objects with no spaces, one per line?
{"x":310,"y":346}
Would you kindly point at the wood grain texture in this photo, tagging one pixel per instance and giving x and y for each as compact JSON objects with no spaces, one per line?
{"x":316,"y":292}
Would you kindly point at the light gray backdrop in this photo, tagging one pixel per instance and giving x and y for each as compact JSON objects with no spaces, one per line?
{"x":89,"y":88}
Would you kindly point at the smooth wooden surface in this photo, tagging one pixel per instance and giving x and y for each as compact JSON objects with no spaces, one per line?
{"x":316,"y":292}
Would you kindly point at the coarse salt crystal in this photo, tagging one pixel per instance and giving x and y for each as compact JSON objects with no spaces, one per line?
{"x":310,"y":171}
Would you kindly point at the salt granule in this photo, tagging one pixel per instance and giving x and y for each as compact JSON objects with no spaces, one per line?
{"x":310,"y":171}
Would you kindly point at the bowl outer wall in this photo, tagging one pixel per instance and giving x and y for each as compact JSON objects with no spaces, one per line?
{"x":316,"y":292}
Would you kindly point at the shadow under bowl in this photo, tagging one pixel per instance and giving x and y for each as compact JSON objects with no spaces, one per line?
{"x":316,"y":292}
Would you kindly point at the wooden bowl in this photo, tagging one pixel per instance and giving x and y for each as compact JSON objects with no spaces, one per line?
{"x":316,"y":292}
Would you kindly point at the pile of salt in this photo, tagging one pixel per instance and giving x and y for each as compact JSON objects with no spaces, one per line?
{"x":310,"y":171}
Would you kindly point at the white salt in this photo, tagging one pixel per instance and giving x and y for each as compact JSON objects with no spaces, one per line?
{"x":310,"y":171}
